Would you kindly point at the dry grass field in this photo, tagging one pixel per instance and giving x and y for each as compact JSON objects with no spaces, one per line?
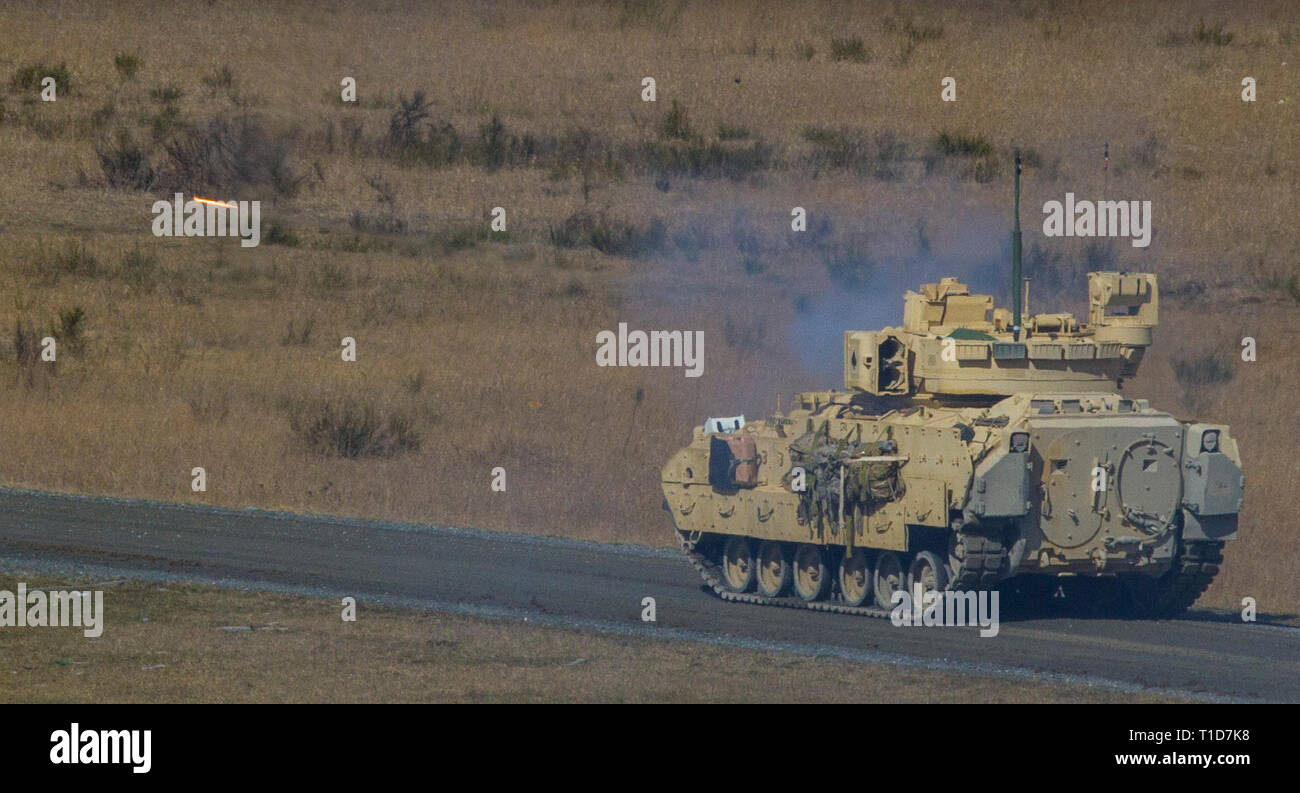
{"x":477,"y":349}
{"x":183,"y":643}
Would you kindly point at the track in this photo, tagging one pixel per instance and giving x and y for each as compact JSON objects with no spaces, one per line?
{"x":589,"y":585}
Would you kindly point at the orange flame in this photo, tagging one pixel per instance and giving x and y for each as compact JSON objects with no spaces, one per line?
{"x":216,"y":203}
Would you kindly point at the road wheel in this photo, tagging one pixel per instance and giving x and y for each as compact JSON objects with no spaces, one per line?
{"x":927,"y":571}
{"x":887,"y":578}
{"x":738,"y":564}
{"x":855,"y":578}
{"x":773,"y":569}
{"x":811,"y":578}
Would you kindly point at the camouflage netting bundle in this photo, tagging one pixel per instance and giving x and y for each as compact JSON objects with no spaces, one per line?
{"x":867,"y":484}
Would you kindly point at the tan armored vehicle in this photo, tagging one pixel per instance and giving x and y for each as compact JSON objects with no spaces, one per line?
{"x":1009,"y":454}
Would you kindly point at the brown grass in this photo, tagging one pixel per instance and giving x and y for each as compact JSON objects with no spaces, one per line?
{"x":182,"y":643}
{"x":487,"y":344}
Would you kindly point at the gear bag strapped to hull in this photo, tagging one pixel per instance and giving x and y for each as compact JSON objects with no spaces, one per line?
{"x":733,"y":461}
{"x":868,"y":484}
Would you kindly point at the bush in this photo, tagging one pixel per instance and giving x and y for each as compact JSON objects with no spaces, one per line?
{"x":26,"y":342}
{"x":610,"y":236}
{"x":582,"y":153}
{"x":404,"y":124}
{"x":837,"y":147}
{"x":357,"y":243}
{"x":301,"y":336}
{"x":351,"y":429}
{"x":414,"y":384}
{"x":1201,"y":34}
{"x":328,"y":279}
{"x":816,"y":236}
{"x":412,"y":136}
{"x":883,"y":156}
{"x":29,"y":77}
{"x":349,"y":134}
{"x":696,"y":159}
{"x":982,"y":161}
{"x":124,"y":161}
{"x":726,"y":132}
{"x":1204,"y":34}
{"x":1204,"y":369}
{"x":383,"y":222}
{"x":574,"y":288}
{"x":220,"y":79}
{"x":279,"y":234}
{"x":127,"y":64}
{"x":848,"y":263}
{"x":139,"y":270}
{"x":1200,"y":375}
{"x":1292,"y":287}
{"x":745,"y":236}
{"x":493,"y":145}
{"x":69,"y":328}
{"x":228,"y":153}
{"x":166,"y":122}
{"x":168,"y":94}
{"x":983,"y":170}
{"x":27,"y":350}
{"x":956,"y":144}
{"x":889,"y":157}
{"x":209,"y":405}
{"x":76,"y":260}
{"x":94,"y":124}
{"x":441,"y":145}
{"x":849,"y":49}
{"x":693,"y":239}
{"x":573,"y":231}
{"x":459,"y":238}
{"x":618,"y":238}
{"x":920,"y":33}
{"x":1173,"y":38}
{"x":676,"y":124}
{"x":1287,"y":284}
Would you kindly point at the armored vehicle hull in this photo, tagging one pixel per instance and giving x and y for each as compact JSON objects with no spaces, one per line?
{"x":838,"y":509}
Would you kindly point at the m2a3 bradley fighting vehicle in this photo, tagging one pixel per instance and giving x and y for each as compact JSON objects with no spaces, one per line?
{"x":1004,"y":455}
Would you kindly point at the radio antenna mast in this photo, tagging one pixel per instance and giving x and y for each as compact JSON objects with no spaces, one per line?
{"x":1016,"y":288}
